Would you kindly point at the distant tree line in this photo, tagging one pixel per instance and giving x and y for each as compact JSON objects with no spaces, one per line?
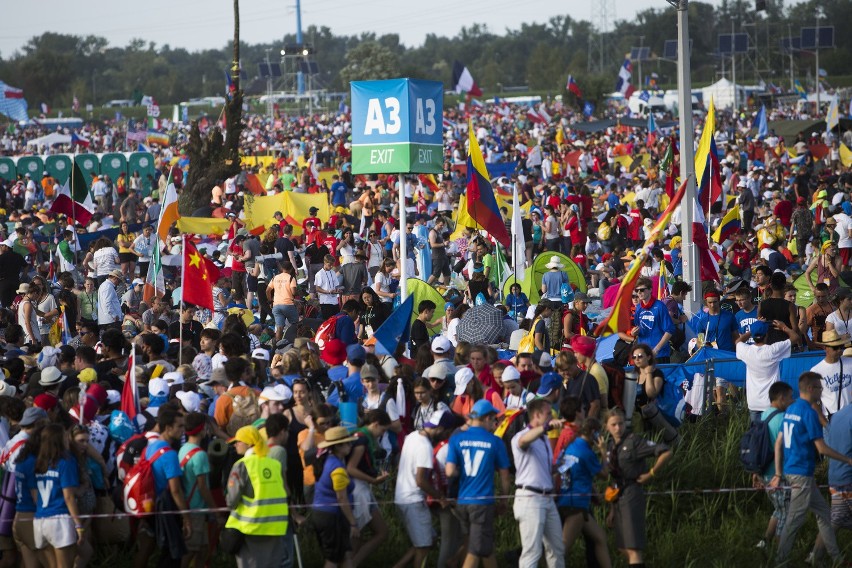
{"x":52,"y":68}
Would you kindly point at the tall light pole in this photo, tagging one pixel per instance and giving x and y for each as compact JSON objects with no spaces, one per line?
{"x":300,"y":77}
{"x":819,"y":15}
{"x":687,"y":159}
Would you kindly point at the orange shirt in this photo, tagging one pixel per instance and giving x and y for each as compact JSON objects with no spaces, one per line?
{"x":309,"y":478}
{"x":225,"y":405}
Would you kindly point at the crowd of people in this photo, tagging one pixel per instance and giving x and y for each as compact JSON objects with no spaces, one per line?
{"x":278,"y":413}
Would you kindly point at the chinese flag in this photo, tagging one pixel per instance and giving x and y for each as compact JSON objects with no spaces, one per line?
{"x":199,"y":276}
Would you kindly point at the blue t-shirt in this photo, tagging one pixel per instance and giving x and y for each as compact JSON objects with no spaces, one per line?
{"x":166,"y":467}
{"x":24,"y":476}
{"x":718,"y":328}
{"x":50,"y":500}
{"x":553,"y":282}
{"x":744,"y":321}
{"x":774,"y":430}
{"x":477,"y":454}
{"x":653,"y":322}
{"x":801,"y":428}
{"x":344,"y":329}
{"x":613,"y":200}
{"x":677,"y":263}
{"x":338,"y":193}
{"x":839,"y":438}
{"x":351,"y":384}
{"x":583,"y":465}
{"x":517,"y":303}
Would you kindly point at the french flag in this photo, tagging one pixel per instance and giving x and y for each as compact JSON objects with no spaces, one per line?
{"x":623,"y":85}
{"x":463,"y":80}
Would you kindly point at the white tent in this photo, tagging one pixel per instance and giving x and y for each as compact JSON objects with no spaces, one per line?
{"x":52,"y":139}
{"x":722,"y":92}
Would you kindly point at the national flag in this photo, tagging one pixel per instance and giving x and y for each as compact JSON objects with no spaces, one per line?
{"x":396,"y":328}
{"x":169,"y":212}
{"x":230,"y":88}
{"x":832,"y":117}
{"x":665,"y":217}
{"x":800,"y":90}
{"x":502,"y":107}
{"x":619,"y":318}
{"x":449,"y":124}
{"x":155,"y":281}
{"x":645,"y":96}
{"x":254,"y":186}
{"x":154,"y":123}
{"x":199,"y":276}
{"x":729,"y":225}
{"x":135,"y":134}
{"x":312,"y":167}
{"x":760,"y":124}
{"x":560,"y":136}
{"x":671,"y":167}
{"x":77,"y":140}
{"x":63,"y":322}
{"x":588,"y":109}
{"x":542,"y":112}
{"x":708,"y":265}
{"x":622,"y":84}
{"x":477,"y":103}
{"x":12,"y":102}
{"x":157,"y":137}
{"x":481,"y":203}
{"x":519,"y":245}
{"x":65,"y":204}
{"x":652,"y":129}
{"x":45,"y":108}
{"x":573,"y":87}
{"x":130,"y":392}
{"x":75,"y":104}
{"x":707,"y":169}
{"x":463,"y":81}
{"x":429,"y":182}
{"x":535,"y":117}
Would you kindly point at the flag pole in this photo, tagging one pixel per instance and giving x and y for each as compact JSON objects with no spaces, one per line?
{"x":403,"y":242}
{"x":182,"y":280}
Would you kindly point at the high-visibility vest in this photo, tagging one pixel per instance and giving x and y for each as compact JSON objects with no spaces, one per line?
{"x":267,"y":513}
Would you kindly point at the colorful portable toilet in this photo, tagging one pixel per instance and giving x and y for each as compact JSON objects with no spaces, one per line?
{"x":113,"y":164}
{"x":32,"y":165}
{"x":142,"y":162}
{"x":59,"y":167}
{"x":7,"y":169}
{"x":89,"y":164}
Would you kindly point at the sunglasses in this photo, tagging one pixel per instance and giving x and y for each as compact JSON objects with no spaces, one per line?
{"x":639,"y":356}
{"x":640,"y":290}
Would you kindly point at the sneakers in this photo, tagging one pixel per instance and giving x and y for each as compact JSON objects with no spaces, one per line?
{"x":810,"y":559}
{"x":761,"y":544}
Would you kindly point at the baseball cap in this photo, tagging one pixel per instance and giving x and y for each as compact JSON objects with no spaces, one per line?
{"x":758,"y":328}
{"x":190,"y":401}
{"x":158,"y":387}
{"x":441,"y":345}
{"x":482,"y":408}
{"x":173,"y":378}
{"x":369,"y":372}
{"x":542,"y":359}
{"x":510,"y":373}
{"x":463,"y":378}
{"x":549,"y":382}
{"x":355,"y":353}
{"x":138,"y":281}
{"x":260,"y":353}
{"x":270,"y":394}
{"x":441,"y":419}
{"x":334,"y":352}
{"x":31,"y":416}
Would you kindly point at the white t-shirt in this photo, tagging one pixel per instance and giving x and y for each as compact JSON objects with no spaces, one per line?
{"x":327,"y":280}
{"x":763,"y":369}
{"x":831,"y":384}
{"x":416,"y":453}
{"x":390,"y":408}
{"x":841,"y":326}
{"x":382,"y":284}
{"x":844,"y":225}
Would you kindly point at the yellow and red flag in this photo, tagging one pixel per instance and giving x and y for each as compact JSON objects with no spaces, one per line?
{"x":199,"y":276}
{"x":619,"y":318}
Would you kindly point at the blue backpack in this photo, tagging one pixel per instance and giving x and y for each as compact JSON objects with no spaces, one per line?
{"x":757,"y":449}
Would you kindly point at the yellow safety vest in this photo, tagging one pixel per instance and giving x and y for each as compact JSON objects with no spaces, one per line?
{"x":267,"y":513}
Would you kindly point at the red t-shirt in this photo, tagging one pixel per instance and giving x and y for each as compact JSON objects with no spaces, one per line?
{"x":741,"y":255}
{"x":316,"y":221}
{"x":784,"y":211}
{"x":237,"y":251}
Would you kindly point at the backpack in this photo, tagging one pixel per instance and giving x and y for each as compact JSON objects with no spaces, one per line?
{"x":757,"y":450}
{"x":604,"y":232}
{"x":189,"y":455}
{"x":326,"y":331}
{"x":527,"y":343}
{"x":140,"y":494}
{"x":246,"y":411}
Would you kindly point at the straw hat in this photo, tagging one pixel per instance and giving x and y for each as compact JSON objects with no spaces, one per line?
{"x":334,"y":436}
{"x":830,"y":338}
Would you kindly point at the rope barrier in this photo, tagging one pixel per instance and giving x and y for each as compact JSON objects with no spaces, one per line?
{"x":297,"y":507}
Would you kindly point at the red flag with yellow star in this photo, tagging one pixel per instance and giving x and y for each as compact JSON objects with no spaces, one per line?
{"x":199,"y":276}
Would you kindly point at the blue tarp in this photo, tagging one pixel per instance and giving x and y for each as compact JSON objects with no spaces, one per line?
{"x":501,"y":169}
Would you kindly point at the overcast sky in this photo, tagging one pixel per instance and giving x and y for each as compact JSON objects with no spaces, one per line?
{"x":200,"y":24}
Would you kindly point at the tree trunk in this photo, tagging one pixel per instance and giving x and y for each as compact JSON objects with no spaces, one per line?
{"x":212,"y":158}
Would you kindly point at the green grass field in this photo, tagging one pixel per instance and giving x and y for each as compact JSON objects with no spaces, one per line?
{"x":692,"y":529}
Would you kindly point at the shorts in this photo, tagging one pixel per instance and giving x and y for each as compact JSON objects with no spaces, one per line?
{"x":478,"y":523}
{"x":841,"y":508}
{"x":781,"y":502}
{"x":124,"y":257}
{"x":251,"y":283}
{"x":440,"y":266}
{"x":418,"y":523}
{"x":332,"y":530}
{"x":57,"y":531}
{"x":364,"y":503}
{"x":284,"y":314}
{"x":199,"y":538}
{"x":22,"y":530}
{"x":566,"y":512}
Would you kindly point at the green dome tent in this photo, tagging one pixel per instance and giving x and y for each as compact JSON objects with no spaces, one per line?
{"x":531,"y":284}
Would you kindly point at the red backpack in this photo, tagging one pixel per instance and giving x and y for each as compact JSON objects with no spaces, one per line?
{"x":140,"y":494}
{"x":326,"y":331}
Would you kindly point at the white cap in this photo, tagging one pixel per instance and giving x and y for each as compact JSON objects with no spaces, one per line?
{"x":173,"y":378}
{"x":441,"y":345}
{"x":530,"y":313}
{"x":260,"y":353}
{"x":158,"y":387}
{"x":270,"y":393}
{"x":190,"y":400}
{"x":463,"y":378}
{"x":510,"y":373}
{"x":113,"y":397}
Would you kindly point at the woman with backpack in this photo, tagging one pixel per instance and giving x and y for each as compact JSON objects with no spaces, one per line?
{"x":57,"y":526}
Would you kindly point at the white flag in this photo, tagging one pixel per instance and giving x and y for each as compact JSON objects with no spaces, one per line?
{"x":519,"y":245}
